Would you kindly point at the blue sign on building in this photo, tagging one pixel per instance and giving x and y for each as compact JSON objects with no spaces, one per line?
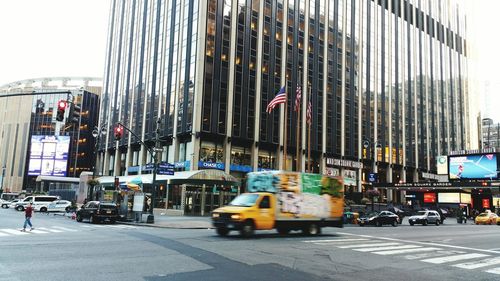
{"x":372,"y":177}
{"x":211,"y":165}
{"x":240,"y":168}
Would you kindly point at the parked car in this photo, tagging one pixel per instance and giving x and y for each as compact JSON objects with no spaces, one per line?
{"x":379,"y":219}
{"x":59,"y":206}
{"x":96,"y":212}
{"x":9,"y":204}
{"x":486,"y":218}
{"x":39,"y":203}
{"x":425,"y":217}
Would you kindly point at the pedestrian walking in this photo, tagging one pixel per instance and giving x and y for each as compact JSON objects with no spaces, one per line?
{"x":28,"y":213}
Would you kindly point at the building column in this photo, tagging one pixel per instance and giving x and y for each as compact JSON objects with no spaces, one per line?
{"x":284,"y":79}
{"x":258,"y":87}
{"x":322,"y":167}
{"x":360,"y":96}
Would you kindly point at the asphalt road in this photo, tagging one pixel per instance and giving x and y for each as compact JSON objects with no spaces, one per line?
{"x":62,"y":249}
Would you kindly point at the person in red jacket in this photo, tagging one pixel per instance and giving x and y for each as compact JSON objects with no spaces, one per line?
{"x":28,"y":213}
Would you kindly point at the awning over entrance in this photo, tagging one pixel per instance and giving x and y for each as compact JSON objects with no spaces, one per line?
{"x":199,"y":177}
{"x":57,"y":179}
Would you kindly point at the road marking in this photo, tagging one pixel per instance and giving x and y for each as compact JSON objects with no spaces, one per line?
{"x":86,"y":226}
{"x":38,"y":231}
{"x":377,"y":249}
{"x":3,"y":234}
{"x":433,"y":254}
{"x":397,"y":252}
{"x":98,"y":226}
{"x":494,"y":270}
{"x":122,"y":226}
{"x":478,"y":264}
{"x":454,"y":258}
{"x":418,"y":242}
{"x":66,"y":229}
{"x":336,"y":240}
{"x":13,"y":231}
{"x":374,"y":243}
{"x":50,"y":230}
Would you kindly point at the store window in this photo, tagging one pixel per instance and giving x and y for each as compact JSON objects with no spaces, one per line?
{"x":241,"y":156}
{"x":211,"y":152}
{"x":267,"y":160}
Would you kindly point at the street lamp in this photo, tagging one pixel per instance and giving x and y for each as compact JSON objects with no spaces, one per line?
{"x":97,"y":133}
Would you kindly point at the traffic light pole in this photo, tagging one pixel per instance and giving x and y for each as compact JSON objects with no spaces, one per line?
{"x":154,"y":155}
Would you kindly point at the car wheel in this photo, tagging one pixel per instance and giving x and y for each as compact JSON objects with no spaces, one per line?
{"x":20,"y":208}
{"x":4,"y":206}
{"x":222,"y":231}
{"x":394,"y":223}
{"x":78,"y":218}
{"x":437,"y":222}
{"x":411,"y":223}
{"x":424,"y":223}
{"x":248,"y":229}
{"x":43,"y":209}
{"x":379,"y":224}
{"x":92,"y":219}
{"x":67,"y":209}
{"x":312,"y":229}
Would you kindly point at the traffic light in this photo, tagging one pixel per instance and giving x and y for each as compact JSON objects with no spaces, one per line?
{"x":118,"y":132}
{"x":74,"y":113}
{"x":61,"y":108}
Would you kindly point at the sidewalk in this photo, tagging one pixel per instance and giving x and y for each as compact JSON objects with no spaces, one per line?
{"x":178,"y":222}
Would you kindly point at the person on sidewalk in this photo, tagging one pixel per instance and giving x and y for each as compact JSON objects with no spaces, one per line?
{"x":28,"y":213}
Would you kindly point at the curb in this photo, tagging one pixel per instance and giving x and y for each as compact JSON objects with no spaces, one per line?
{"x":164,"y":226}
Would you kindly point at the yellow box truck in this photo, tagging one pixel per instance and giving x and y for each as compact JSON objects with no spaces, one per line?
{"x":283,"y":201}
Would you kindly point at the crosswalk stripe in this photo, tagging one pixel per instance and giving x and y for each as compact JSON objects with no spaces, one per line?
{"x":335,"y":240}
{"x":66,"y":229}
{"x":494,"y":270}
{"x":3,"y":234}
{"x":86,"y":226}
{"x":404,"y":251}
{"x":478,"y":264}
{"x":50,"y":230}
{"x":433,"y":254}
{"x":454,"y":258}
{"x":378,"y":249}
{"x":373,"y":244}
{"x":13,"y":231}
{"x":121,"y":226}
{"x":38,"y":231}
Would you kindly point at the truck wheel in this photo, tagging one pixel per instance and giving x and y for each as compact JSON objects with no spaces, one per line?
{"x":248,"y":229}
{"x":312,"y":229}
{"x":222,"y":231}
{"x":283,"y":230}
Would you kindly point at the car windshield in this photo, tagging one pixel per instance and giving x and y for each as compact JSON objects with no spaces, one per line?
{"x":483,"y":215}
{"x":244,"y":200}
{"x":421,"y":213}
{"x":107,"y":206}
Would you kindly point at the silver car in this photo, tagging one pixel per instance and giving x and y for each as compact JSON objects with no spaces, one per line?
{"x":425,"y":217}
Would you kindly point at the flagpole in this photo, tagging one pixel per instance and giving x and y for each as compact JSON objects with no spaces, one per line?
{"x":286,"y":125}
{"x":297,"y":136}
{"x":309,"y":138}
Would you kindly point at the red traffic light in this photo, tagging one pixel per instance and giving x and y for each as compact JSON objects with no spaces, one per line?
{"x":118,"y":132}
{"x":62,"y":105}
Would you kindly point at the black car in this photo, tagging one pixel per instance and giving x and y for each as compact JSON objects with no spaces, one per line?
{"x":379,"y":219}
{"x":96,"y":212}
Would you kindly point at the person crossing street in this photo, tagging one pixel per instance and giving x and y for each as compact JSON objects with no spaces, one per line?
{"x":28,"y":213}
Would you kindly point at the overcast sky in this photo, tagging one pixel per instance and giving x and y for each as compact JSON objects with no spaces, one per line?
{"x":43,"y":38}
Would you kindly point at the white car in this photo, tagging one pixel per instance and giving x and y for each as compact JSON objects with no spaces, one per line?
{"x":59,"y":206}
{"x":11,"y":204}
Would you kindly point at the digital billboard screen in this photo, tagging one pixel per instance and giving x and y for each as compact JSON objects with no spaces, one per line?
{"x":430,"y":197}
{"x":48,"y":155}
{"x":473,"y":167}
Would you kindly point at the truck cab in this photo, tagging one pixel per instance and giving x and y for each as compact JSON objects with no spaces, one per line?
{"x":246,"y":213}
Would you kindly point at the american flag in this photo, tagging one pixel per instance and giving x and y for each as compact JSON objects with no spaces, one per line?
{"x":309,"y":113}
{"x":278,"y":99}
{"x":298,"y":97}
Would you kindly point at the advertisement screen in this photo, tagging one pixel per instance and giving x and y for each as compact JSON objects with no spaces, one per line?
{"x":449,"y":197}
{"x":465,"y":198}
{"x":475,"y":166}
{"x":48,"y":155}
{"x":430,"y":197}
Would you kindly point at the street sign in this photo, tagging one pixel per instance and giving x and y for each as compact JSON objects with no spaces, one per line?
{"x":165,"y":172}
{"x":372,"y":177}
{"x":164,"y":165}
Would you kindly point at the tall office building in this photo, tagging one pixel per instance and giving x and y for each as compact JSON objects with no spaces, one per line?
{"x":386,"y":81}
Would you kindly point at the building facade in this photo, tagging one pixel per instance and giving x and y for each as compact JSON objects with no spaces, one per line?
{"x":386,"y":81}
{"x":32,"y":143}
{"x":490,"y":134}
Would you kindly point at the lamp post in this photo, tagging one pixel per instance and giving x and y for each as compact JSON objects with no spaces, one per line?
{"x":3,"y":176}
{"x":96,"y":133}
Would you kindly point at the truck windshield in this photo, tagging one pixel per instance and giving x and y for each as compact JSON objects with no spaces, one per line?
{"x":245,"y":200}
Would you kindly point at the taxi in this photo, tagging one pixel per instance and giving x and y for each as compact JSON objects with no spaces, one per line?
{"x":486,"y":218}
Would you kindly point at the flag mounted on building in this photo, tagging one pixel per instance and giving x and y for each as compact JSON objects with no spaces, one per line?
{"x":309,"y":113}
{"x":278,"y":99}
{"x":298,"y":98}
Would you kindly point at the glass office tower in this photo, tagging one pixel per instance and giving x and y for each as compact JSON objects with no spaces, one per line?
{"x":386,"y":80}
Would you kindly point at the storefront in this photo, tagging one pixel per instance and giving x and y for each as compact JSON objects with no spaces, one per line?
{"x":184,"y":193}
